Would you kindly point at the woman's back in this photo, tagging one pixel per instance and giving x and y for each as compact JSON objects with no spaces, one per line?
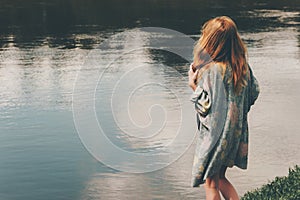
{"x":224,"y":90}
{"x":223,"y":132}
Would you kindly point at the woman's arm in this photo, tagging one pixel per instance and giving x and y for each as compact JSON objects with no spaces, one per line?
{"x":209,"y":97}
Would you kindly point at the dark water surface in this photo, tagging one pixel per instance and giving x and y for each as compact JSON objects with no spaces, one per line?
{"x":43,"y":44}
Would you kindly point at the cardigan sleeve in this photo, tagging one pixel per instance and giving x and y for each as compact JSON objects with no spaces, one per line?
{"x":253,"y":89}
{"x":219,"y":103}
{"x":211,"y":125}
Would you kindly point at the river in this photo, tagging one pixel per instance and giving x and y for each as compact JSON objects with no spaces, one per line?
{"x":46,"y":45}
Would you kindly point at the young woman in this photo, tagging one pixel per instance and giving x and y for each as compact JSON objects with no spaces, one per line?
{"x":224,"y":90}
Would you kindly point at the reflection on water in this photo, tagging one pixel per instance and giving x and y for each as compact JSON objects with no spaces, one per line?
{"x":43,"y":44}
{"x":76,"y":24}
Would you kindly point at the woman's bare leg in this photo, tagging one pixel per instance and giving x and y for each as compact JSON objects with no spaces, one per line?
{"x":212,"y":188}
{"x":226,"y":188}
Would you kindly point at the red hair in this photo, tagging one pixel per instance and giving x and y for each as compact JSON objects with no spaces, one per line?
{"x":220,"y":42}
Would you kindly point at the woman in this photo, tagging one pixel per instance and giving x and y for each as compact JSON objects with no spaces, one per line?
{"x":224,"y":89}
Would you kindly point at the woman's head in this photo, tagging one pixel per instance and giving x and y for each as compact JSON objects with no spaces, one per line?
{"x":220,"y":42}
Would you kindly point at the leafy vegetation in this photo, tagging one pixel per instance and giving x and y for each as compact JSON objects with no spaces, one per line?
{"x":282,"y":188}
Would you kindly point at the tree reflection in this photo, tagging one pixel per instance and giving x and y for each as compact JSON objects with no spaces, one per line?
{"x":32,"y":21}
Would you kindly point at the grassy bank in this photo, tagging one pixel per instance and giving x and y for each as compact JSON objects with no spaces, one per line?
{"x":282,"y":188}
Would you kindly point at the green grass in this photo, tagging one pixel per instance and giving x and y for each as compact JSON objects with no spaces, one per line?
{"x":282,"y":188}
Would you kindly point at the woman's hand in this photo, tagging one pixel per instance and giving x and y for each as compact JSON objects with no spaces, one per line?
{"x":193,"y":77}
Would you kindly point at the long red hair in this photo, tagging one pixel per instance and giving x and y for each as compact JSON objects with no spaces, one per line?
{"x":220,"y":42}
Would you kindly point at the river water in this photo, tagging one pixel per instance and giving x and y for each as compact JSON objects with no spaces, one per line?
{"x":45,"y":45}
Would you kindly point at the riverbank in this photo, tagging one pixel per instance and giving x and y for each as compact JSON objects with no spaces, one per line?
{"x":286,"y":188}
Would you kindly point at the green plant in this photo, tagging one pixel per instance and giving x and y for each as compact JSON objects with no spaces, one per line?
{"x":282,"y":188}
